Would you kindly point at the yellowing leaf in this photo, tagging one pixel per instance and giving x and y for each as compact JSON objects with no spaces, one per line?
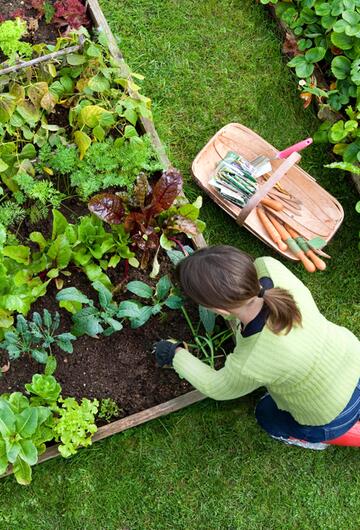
{"x":82,"y":84}
{"x":52,"y":69}
{"x":48,"y":170}
{"x":83,"y":141}
{"x":37,"y":91}
{"x":93,"y":115}
{"x":48,"y":102}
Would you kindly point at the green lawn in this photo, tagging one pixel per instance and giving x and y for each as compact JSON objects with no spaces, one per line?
{"x":210,"y":467}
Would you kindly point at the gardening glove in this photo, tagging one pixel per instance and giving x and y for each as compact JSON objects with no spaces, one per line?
{"x":165,"y":351}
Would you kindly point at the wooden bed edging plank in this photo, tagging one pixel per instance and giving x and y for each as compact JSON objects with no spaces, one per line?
{"x":131,"y":421}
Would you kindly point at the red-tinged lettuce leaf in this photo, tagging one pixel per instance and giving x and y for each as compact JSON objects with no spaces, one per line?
{"x":165,"y":191}
{"x":108,"y":207}
{"x":183,"y":224}
{"x":70,"y":12}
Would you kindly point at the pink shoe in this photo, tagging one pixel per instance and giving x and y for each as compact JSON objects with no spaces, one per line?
{"x":350,"y":439}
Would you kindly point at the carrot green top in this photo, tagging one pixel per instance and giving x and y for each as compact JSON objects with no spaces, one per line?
{"x":311,"y":372}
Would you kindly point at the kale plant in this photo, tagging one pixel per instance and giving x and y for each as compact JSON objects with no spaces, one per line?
{"x":36,"y":337}
{"x":91,"y":320}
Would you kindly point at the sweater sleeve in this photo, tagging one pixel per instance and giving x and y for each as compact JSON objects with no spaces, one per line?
{"x":226,"y":383}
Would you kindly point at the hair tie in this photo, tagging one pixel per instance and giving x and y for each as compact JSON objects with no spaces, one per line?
{"x":261,"y":292}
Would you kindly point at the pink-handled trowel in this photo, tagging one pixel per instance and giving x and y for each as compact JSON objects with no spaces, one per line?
{"x":262,"y":164}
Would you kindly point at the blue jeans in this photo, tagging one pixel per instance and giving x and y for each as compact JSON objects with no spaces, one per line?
{"x":279,"y":423}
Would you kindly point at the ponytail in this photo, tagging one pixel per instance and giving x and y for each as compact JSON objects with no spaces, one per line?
{"x":283,"y":311}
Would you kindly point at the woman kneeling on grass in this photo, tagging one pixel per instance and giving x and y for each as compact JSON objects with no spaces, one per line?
{"x":309,"y":366}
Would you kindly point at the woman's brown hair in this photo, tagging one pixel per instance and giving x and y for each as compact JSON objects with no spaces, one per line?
{"x":224,"y":277}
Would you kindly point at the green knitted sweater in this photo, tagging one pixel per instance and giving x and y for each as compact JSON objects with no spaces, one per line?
{"x":311,"y":372}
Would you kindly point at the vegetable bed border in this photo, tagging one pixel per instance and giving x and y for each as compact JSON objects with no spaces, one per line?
{"x":286,"y":30}
{"x":189,"y":398}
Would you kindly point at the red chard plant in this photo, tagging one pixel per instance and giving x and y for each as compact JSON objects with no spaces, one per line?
{"x":149,"y":215}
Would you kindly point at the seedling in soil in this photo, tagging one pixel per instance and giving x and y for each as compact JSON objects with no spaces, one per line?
{"x":108,"y":409}
{"x":36,"y":337}
{"x":162,"y":295}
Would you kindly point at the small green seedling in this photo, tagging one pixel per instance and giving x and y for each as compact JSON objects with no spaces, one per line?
{"x":108,"y":409}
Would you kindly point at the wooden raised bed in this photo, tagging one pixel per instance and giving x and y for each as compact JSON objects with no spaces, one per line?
{"x":148,"y":127}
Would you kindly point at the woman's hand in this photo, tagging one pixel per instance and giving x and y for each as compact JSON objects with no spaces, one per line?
{"x":165,"y":351}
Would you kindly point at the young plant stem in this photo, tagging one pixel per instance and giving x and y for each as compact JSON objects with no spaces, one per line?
{"x":180,"y":245}
{"x":119,"y":286}
{"x":196,"y":338}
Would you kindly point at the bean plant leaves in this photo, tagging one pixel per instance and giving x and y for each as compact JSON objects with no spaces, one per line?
{"x":3,"y":166}
{"x":75,"y":59}
{"x":108,"y":207}
{"x":99,"y":83}
{"x":7,"y":107}
{"x":37,"y":91}
{"x":93,"y":115}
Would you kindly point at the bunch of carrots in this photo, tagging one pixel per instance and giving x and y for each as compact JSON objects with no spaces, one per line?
{"x":287,"y":238}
